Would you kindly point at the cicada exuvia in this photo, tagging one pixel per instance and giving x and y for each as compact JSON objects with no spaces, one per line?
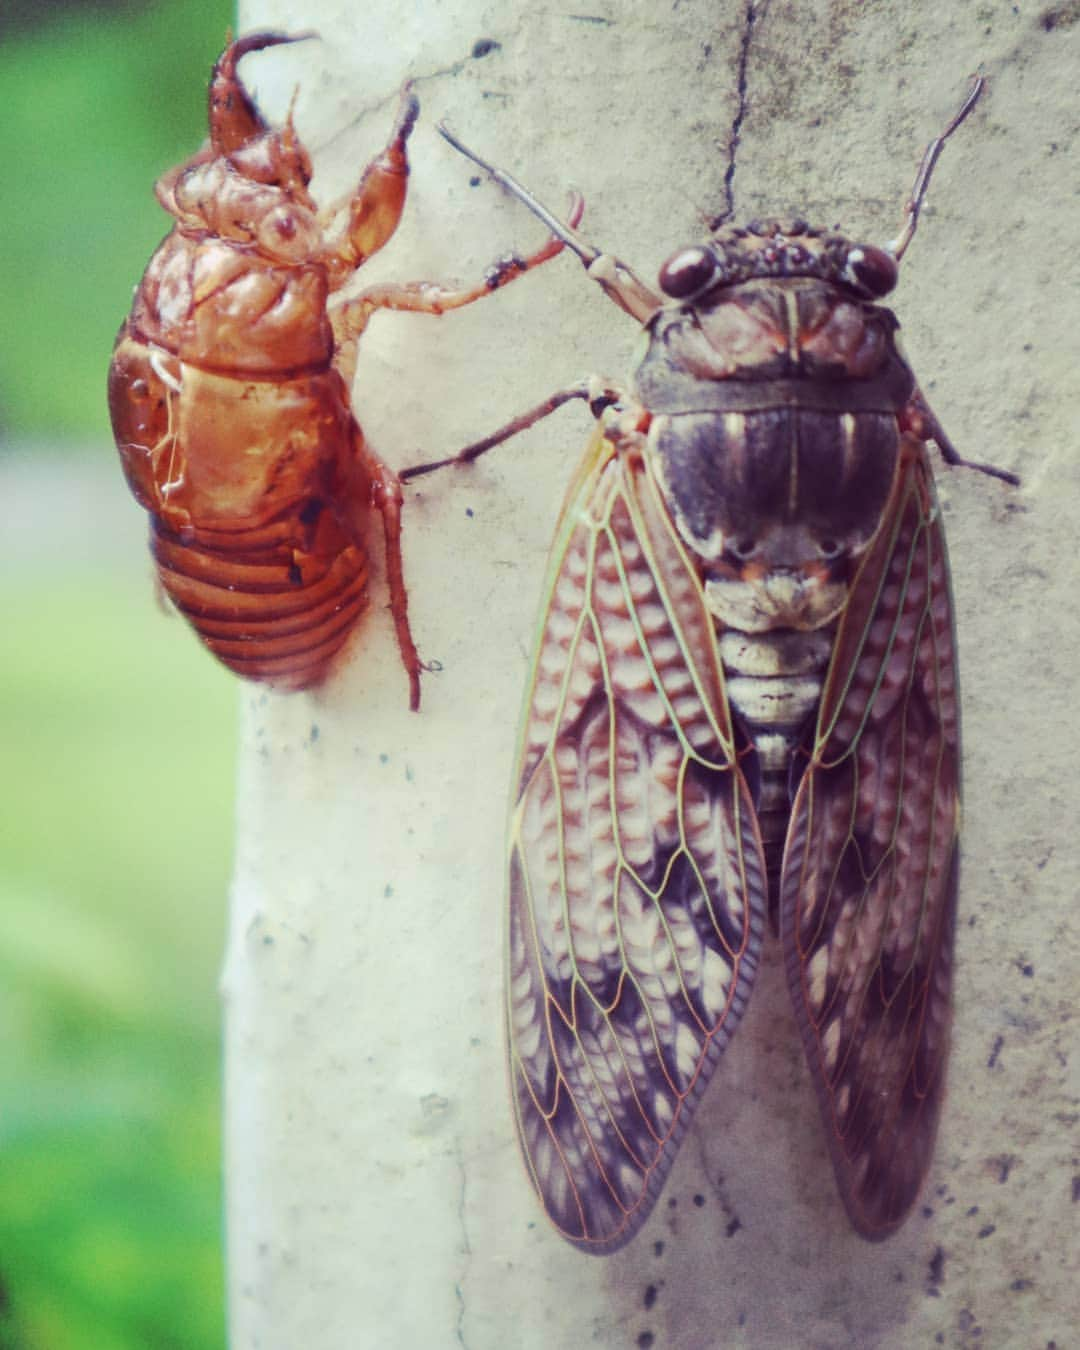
{"x":742,"y":709}
{"x":229,"y":389}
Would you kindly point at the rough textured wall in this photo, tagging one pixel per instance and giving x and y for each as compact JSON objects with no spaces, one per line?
{"x":376,"y":1192}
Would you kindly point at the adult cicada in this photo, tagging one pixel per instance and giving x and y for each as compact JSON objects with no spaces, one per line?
{"x":229,"y":390}
{"x":742,"y":708}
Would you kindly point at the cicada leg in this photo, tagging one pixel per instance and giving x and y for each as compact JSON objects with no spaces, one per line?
{"x":234,"y":118}
{"x":619,"y":282}
{"x":375,"y":207}
{"x":427,"y":297}
{"x":921,"y":420}
{"x":520,"y":423}
{"x":597,"y":393}
{"x":375,"y":484}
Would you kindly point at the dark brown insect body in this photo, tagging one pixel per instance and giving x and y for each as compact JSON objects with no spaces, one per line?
{"x":229,"y":392}
{"x":743,"y":703}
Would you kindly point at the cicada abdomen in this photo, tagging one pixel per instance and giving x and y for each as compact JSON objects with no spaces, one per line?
{"x":229,"y":391}
{"x":743,"y":707}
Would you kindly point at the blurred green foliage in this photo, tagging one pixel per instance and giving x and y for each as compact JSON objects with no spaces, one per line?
{"x":117,"y":738}
{"x":116,"y":799}
{"x":98,"y":101}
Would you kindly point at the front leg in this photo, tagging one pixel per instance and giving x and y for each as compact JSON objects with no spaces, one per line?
{"x":375,"y":207}
{"x":350,"y":318}
{"x":601,"y":396}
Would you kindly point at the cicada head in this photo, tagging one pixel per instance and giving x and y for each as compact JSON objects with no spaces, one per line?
{"x":774,"y":249}
{"x":774,"y":316}
{"x":771,"y":249}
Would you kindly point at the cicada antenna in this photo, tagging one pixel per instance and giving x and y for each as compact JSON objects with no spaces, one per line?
{"x":618,"y":281}
{"x":930,"y":157}
{"x":558,"y":228}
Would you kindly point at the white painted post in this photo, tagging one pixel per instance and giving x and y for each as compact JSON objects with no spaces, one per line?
{"x":375,"y":1194}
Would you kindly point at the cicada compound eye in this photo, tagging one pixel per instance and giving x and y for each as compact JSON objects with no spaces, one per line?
{"x":687,"y":272}
{"x":872,"y":270}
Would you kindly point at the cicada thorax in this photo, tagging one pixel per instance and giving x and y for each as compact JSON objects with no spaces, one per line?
{"x":774,"y":430}
{"x":235,"y":433}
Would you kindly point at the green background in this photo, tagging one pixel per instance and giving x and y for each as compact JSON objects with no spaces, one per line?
{"x":117,"y":735}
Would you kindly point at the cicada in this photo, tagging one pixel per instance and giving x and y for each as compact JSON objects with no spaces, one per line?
{"x":742,"y":709}
{"x":229,"y":390}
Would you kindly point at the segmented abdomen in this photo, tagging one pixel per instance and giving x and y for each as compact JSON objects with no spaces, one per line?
{"x":268,"y":603}
{"x":774,"y":681}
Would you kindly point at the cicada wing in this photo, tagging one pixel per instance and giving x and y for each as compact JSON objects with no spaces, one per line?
{"x":637,"y":882}
{"x":868,"y":890}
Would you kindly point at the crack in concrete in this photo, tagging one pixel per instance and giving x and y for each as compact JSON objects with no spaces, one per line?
{"x":369,"y":109}
{"x":755,"y":13}
{"x":459,"y":1293}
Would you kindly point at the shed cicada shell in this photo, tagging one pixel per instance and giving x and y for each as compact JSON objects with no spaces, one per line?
{"x":742,"y":712}
{"x":229,"y":390}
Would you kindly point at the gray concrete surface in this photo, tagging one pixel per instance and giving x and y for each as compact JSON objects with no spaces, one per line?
{"x":376,"y":1195}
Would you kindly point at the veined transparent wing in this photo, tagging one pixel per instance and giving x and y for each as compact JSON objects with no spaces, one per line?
{"x":868,"y":894}
{"x":637,"y":882}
